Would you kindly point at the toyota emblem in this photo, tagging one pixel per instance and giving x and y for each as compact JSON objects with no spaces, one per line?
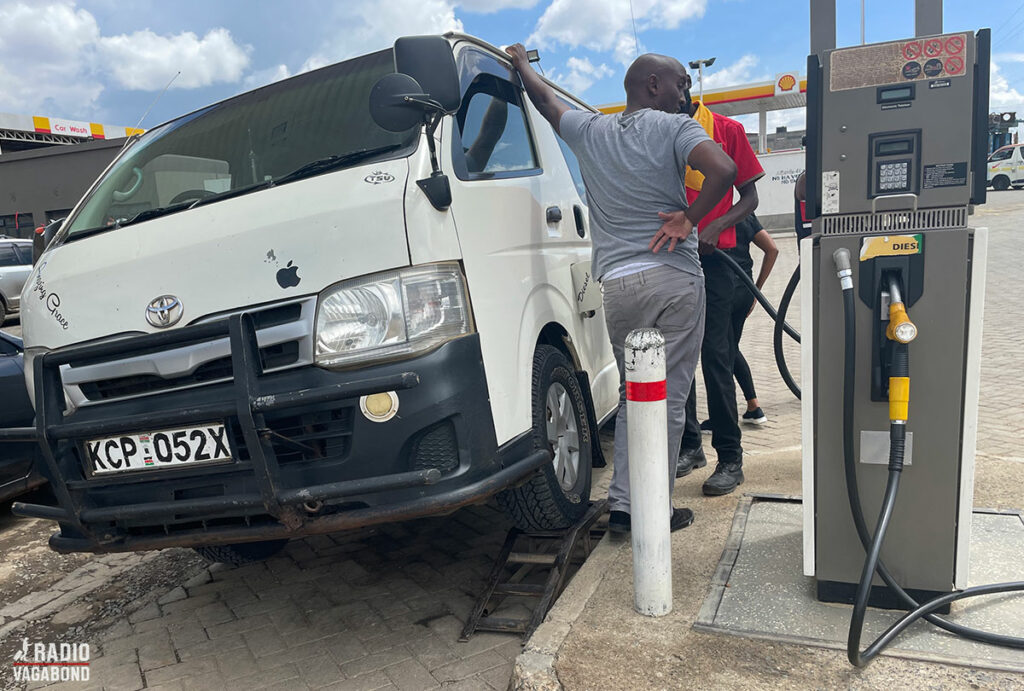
{"x":164,"y":311}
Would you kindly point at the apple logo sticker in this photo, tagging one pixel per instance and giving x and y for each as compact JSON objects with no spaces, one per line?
{"x":288,"y":277}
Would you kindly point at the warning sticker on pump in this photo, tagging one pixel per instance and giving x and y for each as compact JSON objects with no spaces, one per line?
{"x":945,"y":175}
{"x":830,"y":192}
{"x":898,"y":61}
{"x":890,"y":246}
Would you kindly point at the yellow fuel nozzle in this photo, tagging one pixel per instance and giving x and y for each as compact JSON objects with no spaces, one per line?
{"x":900,"y":328}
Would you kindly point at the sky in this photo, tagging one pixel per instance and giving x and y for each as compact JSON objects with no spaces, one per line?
{"x":108,"y":61}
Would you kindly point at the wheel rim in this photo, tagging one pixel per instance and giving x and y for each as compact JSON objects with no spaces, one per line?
{"x":563,"y":436}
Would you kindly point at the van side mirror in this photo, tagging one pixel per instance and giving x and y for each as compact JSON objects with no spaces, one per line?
{"x":423,"y":87}
{"x":430,"y":61}
{"x":42,"y":238}
{"x":425,"y":84}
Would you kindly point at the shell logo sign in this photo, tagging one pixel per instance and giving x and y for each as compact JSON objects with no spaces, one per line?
{"x":785,"y":83}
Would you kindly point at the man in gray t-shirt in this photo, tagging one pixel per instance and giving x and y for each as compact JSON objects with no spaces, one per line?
{"x":645,"y":250}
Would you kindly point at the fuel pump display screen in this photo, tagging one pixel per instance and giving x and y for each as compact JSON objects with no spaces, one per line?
{"x":889,"y":148}
{"x":899,"y":93}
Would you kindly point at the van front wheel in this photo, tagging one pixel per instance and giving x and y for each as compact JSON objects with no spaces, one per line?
{"x":559,"y":492}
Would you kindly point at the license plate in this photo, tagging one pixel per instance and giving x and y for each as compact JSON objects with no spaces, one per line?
{"x":156,"y":450}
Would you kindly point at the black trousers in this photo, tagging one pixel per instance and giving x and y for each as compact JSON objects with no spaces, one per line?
{"x":742,"y":300}
{"x":717,"y":355}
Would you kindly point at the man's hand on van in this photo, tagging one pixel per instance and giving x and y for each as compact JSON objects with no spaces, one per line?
{"x":518,"y":54}
{"x":543,"y":96}
{"x":677,"y":226}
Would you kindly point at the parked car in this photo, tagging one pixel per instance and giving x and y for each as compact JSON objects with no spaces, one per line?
{"x":18,"y":470}
{"x":15,"y":266}
{"x":322,"y":305}
{"x":1006,"y":167}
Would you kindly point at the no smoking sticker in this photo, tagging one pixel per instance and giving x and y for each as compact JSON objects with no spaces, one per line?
{"x":933,"y":47}
{"x":954,"y":65}
{"x":911,"y":50}
{"x":954,"y":44}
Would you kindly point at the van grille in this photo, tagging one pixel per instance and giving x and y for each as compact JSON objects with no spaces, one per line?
{"x":272,"y":357}
{"x":284,"y":332}
{"x":305,"y":437}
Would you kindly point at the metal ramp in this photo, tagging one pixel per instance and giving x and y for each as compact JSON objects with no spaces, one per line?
{"x":525,"y":552}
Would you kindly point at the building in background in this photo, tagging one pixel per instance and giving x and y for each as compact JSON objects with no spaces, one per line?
{"x":47,"y":164}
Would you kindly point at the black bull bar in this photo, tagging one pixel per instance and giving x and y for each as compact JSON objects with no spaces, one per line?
{"x":57,"y":436}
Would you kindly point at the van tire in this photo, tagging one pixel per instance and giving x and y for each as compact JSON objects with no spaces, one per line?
{"x":3,"y":311}
{"x":1001,"y":182}
{"x":241,"y":554}
{"x":542,"y":502}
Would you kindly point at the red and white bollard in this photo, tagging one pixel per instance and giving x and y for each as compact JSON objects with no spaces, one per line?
{"x":647,"y":422}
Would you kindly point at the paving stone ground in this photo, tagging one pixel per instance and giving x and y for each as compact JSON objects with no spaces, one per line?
{"x":378,"y":609}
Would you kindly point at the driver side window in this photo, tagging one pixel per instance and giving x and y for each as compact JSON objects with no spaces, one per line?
{"x":495,"y":138}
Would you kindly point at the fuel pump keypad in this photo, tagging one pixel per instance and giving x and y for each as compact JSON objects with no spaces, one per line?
{"x":893,"y":176}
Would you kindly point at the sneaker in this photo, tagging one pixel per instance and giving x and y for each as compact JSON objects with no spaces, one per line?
{"x":753,"y":417}
{"x":726,"y":478}
{"x":705,"y":427}
{"x":690,"y":459}
{"x":681,"y":518}
{"x":619,"y":521}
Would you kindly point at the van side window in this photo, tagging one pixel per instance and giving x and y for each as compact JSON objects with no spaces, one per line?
{"x":1001,"y":155}
{"x":494,"y":136}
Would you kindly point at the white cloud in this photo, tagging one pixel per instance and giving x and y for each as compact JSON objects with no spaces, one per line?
{"x":606,"y":25}
{"x":146,"y":61}
{"x":489,"y":6}
{"x":371,"y":25}
{"x":581,"y":74}
{"x":740,"y":72}
{"x":1008,"y":57}
{"x":45,"y":57}
{"x":1001,"y":96}
{"x":55,"y":60}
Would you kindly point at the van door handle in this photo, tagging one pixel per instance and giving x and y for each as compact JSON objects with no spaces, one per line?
{"x":554,"y":214}
{"x":577,"y":213}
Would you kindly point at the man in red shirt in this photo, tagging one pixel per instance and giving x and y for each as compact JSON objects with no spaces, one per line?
{"x":718,"y":351}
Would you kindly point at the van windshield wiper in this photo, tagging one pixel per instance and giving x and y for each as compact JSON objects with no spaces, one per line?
{"x":333,"y":162}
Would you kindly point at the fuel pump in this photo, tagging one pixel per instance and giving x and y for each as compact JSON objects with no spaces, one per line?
{"x":893,"y":292}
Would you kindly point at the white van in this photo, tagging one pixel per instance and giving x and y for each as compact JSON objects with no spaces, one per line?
{"x":274,"y":317}
{"x":1006,"y":167}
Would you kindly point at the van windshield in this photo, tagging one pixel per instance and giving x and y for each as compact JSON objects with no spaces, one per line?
{"x":303,"y":126}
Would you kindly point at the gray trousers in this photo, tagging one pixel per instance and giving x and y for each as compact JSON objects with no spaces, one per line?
{"x":671,"y":300}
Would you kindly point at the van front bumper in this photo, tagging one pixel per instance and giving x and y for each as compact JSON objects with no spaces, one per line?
{"x":305,"y":458}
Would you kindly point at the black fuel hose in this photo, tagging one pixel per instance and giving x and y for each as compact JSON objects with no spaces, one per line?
{"x":873,"y":545}
{"x":780,"y":356}
{"x":778,"y":317}
{"x":752,"y":287}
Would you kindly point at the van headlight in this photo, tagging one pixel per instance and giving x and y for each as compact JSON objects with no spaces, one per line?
{"x":390,"y":315}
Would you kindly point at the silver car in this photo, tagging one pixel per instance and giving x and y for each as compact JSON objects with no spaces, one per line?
{"x":15,"y":265}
